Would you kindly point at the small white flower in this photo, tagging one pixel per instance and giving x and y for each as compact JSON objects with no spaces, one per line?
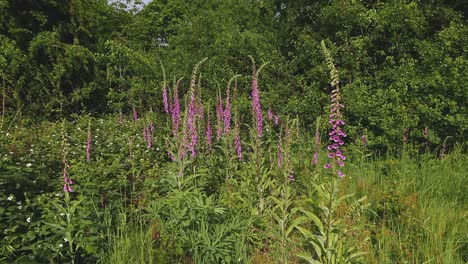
{"x":60,"y":245}
{"x":28,"y":219}
{"x":10,"y":198}
{"x":157,"y":148}
{"x":28,"y":165}
{"x":62,"y":214}
{"x":65,"y":239}
{"x":20,"y":207}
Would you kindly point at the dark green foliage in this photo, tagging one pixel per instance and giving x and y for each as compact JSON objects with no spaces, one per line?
{"x":403,"y":63}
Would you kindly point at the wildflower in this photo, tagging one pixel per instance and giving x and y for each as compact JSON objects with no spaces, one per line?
{"x":364,"y":140}
{"x":291,"y":176}
{"x":67,"y":181}
{"x":208,"y":133}
{"x":270,"y":114}
{"x":256,"y":107}
{"x":164,"y":95}
{"x":219,"y":116}
{"x":175,"y":109}
{"x":335,"y":119}
{"x":28,"y":165}
{"x":227,"y":113}
{"x":405,"y":136}
{"x":28,"y":219}
{"x":135,"y":115}
{"x":276,"y":120}
{"x":10,"y":198}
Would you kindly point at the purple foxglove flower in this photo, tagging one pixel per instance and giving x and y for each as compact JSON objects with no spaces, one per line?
{"x":256,"y":107}
{"x":165,"y":101}
{"x":340,"y":174}
{"x":270,"y":114}
{"x":276,"y":120}
{"x":219,"y":117}
{"x":191,"y":124}
{"x":227,"y":114}
{"x":175,"y":111}
{"x":135,"y":115}
{"x":364,"y":140}
{"x":405,"y":137}
{"x":331,"y":155}
{"x":208,"y":133}
{"x":327,"y":166}
{"x":149,"y":138}
{"x":291,"y":176}
{"x":171,"y":156}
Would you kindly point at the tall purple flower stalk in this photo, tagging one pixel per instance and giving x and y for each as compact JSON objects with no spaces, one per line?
{"x":193,"y":112}
{"x":227,"y":113}
{"x":364,"y":140}
{"x":219,"y":117}
{"x":256,"y":107}
{"x":276,"y":120}
{"x":208,"y":133}
{"x":270,"y":114}
{"x":336,"y":133}
{"x":165,"y":100}
{"x":175,"y":110}
{"x":335,"y":119}
{"x":135,"y":115}
{"x":88,"y":145}
{"x":67,"y":182}
{"x":191,"y":124}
